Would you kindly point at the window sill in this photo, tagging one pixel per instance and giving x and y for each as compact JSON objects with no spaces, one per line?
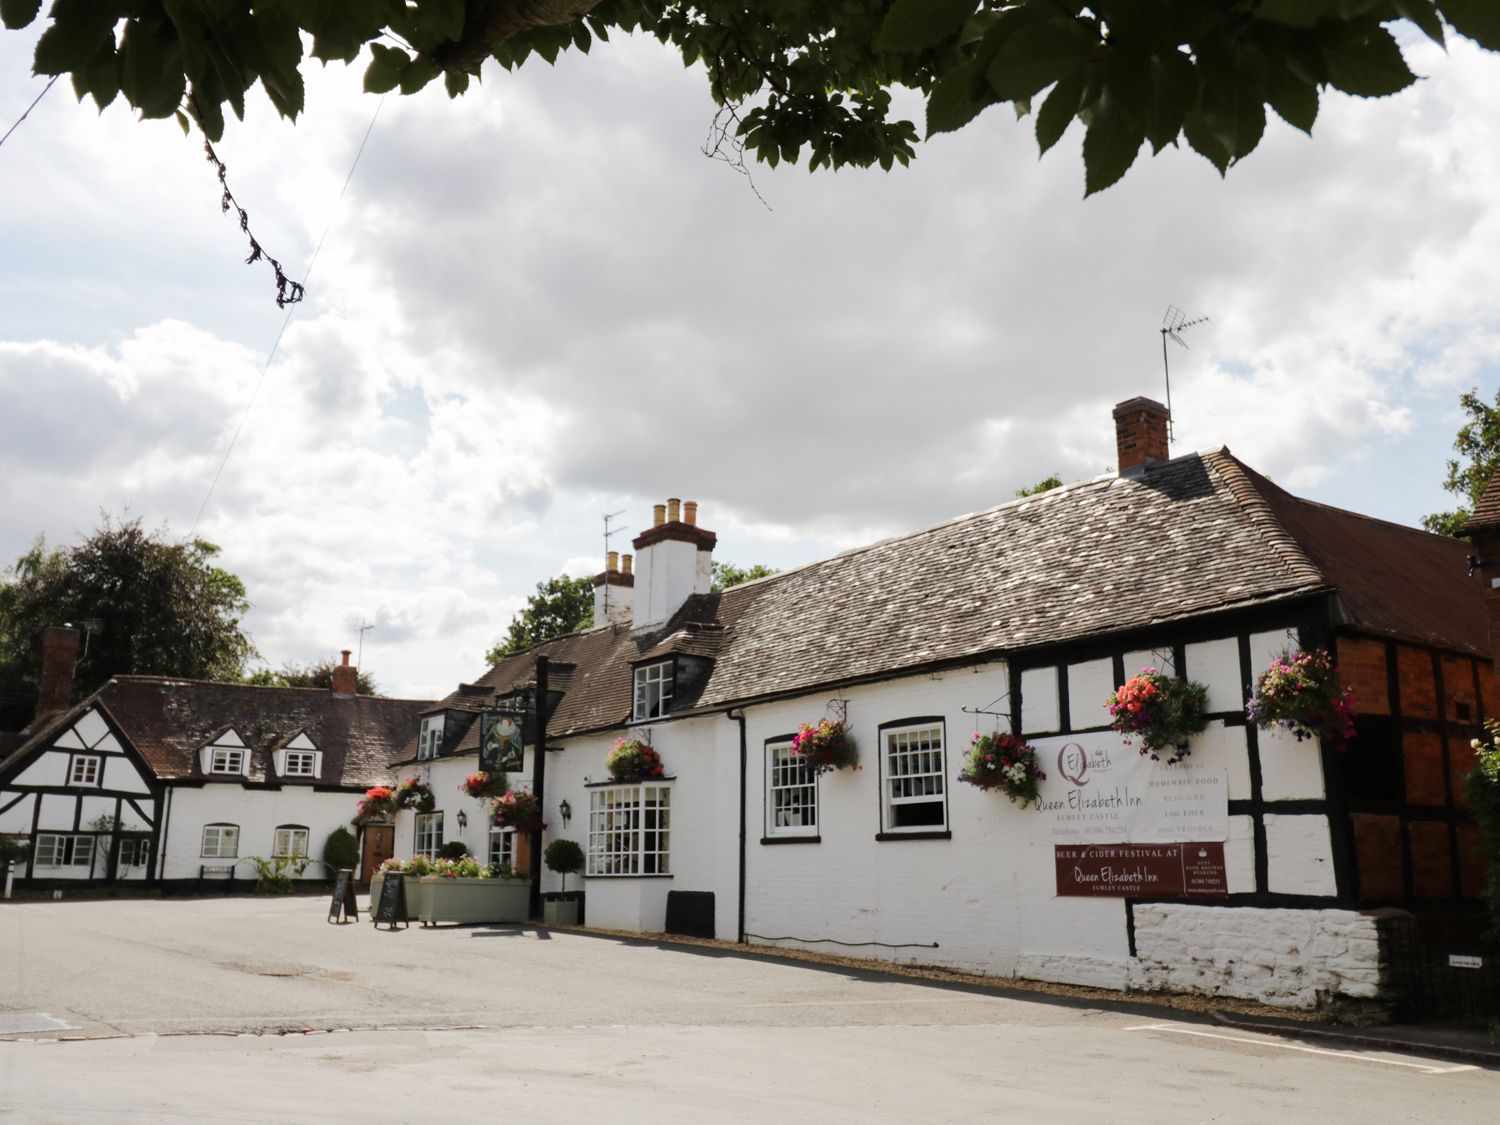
{"x":791,"y":839}
{"x":667,"y":875}
{"x":887,"y":837}
{"x":639,"y":781}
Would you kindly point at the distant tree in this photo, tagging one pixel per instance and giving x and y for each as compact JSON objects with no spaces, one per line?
{"x":1046,"y":484}
{"x":726,"y":574}
{"x":560,"y":605}
{"x":1478,"y":443}
{"x":314,"y":674}
{"x":150,"y":607}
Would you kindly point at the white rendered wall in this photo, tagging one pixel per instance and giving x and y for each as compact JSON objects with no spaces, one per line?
{"x":258,"y":813}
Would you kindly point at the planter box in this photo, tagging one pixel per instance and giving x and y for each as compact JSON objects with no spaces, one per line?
{"x":473,"y":900}
{"x":560,"y":912}
{"x":411,"y":893}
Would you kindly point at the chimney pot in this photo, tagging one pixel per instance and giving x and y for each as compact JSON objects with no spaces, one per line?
{"x":658,"y":515}
{"x":346,"y":677}
{"x":612,"y":561}
{"x":690,"y":513}
{"x":627,"y":562}
{"x":346,"y":653}
{"x":674,"y":509}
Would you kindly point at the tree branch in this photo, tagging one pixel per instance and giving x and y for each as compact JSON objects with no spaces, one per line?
{"x":489,"y":23}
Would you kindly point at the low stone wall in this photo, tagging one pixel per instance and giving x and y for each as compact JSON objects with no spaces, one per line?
{"x":1284,"y":957}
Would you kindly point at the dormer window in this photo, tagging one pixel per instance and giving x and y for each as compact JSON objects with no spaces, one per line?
{"x":227,"y":759}
{"x":653,"y":691}
{"x":431,"y":737}
{"x":301,"y":763}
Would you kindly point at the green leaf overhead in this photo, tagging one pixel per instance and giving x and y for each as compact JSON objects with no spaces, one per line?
{"x":803,"y":79}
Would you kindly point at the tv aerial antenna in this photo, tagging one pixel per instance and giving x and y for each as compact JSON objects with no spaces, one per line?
{"x":364,"y":627}
{"x":608,"y":533}
{"x":1173,"y":325}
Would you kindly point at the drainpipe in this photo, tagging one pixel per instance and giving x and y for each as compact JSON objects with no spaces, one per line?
{"x":163,"y":824}
{"x":738,"y":715}
{"x":538,"y":781}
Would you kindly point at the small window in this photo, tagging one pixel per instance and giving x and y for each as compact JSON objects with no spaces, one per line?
{"x":630,"y":830}
{"x":653,"y":690}
{"x":431,"y":737}
{"x":301,"y":763}
{"x":221,"y":841}
{"x":227,"y":760}
{"x":86,"y":769}
{"x":135,"y":851}
{"x":54,"y":850}
{"x":502,"y":847}
{"x":429,"y":835}
{"x":912,"y":768}
{"x":291,"y":842}
{"x":791,"y":793}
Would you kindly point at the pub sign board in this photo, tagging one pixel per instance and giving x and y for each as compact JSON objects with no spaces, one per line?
{"x":500,"y":741}
{"x":1141,"y":870}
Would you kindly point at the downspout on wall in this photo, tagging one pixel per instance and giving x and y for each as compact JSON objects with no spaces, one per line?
{"x":738,"y":715}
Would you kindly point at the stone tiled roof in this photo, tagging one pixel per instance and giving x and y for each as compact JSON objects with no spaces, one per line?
{"x":1197,"y":535}
{"x":169,"y":720}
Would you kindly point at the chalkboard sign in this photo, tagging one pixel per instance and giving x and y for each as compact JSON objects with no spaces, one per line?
{"x":391,"y":907}
{"x":343,"y":908}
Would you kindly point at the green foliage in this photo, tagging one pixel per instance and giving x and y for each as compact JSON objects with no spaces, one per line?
{"x":816,"y":75}
{"x":1482,"y":786}
{"x":1046,"y":484}
{"x":313,"y":674}
{"x":453,"y":849}
{"x":727,"y":574}
{"x":340,"y":851}
{"x":13,"y":849}
{"x":560,"y":606}
{"x":161,"y":608}
{"x":1478,"y":444}
{"x":274,"y":876}
{"x":565,"y":857}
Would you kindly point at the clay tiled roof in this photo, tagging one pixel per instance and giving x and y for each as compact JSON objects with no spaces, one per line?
{"x":1197,"y":535}
{"x":168,"y":721}
{"x":1486,"y":513}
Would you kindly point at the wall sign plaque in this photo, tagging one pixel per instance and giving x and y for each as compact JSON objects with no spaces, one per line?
{"x":1141,"y":870}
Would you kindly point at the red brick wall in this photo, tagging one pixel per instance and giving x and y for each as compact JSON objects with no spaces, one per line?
{"x":1422,"y":753}
{"x":1431,"y":859}
{"x":1377,"y":845}
{"x":1416,"y":684}
{"x":1362,"y":667}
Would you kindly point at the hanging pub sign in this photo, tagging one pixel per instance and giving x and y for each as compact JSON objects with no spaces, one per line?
{"x":500,"y":741}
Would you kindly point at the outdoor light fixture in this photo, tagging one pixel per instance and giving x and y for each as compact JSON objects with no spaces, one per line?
{"x":463,"y":820}
{"x":566,"y":810}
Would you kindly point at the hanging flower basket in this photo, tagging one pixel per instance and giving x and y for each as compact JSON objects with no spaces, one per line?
{"x":630,"y":759}
{"x":519,"y":811}
{"x":413,"y":793}
{"x":1004,"y":762}
{"x":1159,"y":712}
{"x":378,"y":803}
{"x":484,"y":786}
{"x":1301,"y":693}
{"x":826,"y":746}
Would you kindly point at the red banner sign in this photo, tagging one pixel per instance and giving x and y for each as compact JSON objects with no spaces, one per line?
{"x":1141,"y":870}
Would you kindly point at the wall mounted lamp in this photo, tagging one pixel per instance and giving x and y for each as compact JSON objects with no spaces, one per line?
{"x":463,"y":820}
{"x":566,"y":810}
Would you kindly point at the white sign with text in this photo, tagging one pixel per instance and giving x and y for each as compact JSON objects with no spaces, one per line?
{"x":1103,"y":792}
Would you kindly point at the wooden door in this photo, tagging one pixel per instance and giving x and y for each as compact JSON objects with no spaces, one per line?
{"x":380,"y":845}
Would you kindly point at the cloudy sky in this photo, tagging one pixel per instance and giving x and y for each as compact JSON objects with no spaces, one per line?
{"x":542,"y":303}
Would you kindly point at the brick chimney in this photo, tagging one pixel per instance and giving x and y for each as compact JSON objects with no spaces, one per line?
{"x":59,"y":657}
{"x":346,"y":677}
{"x":1140,"y":434}
{"x":614,"y":591}
{"x":1483,"y":530}
{"x":673,"y":561}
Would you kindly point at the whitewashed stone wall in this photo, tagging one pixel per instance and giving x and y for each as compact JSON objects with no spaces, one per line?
{"x":1285,"y":957}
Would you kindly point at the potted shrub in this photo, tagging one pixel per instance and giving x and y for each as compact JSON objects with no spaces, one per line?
{"x":1159,"y":712}
{"x":453,"y":849}
{"x":566,"y":858}
{"x":1300,"y":692}
{"x":465,"y":891}
{"x":826,"y":746}
{"x":1004,"y":762}
{"x":520,"y":811}
{"x":630,"y":759}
